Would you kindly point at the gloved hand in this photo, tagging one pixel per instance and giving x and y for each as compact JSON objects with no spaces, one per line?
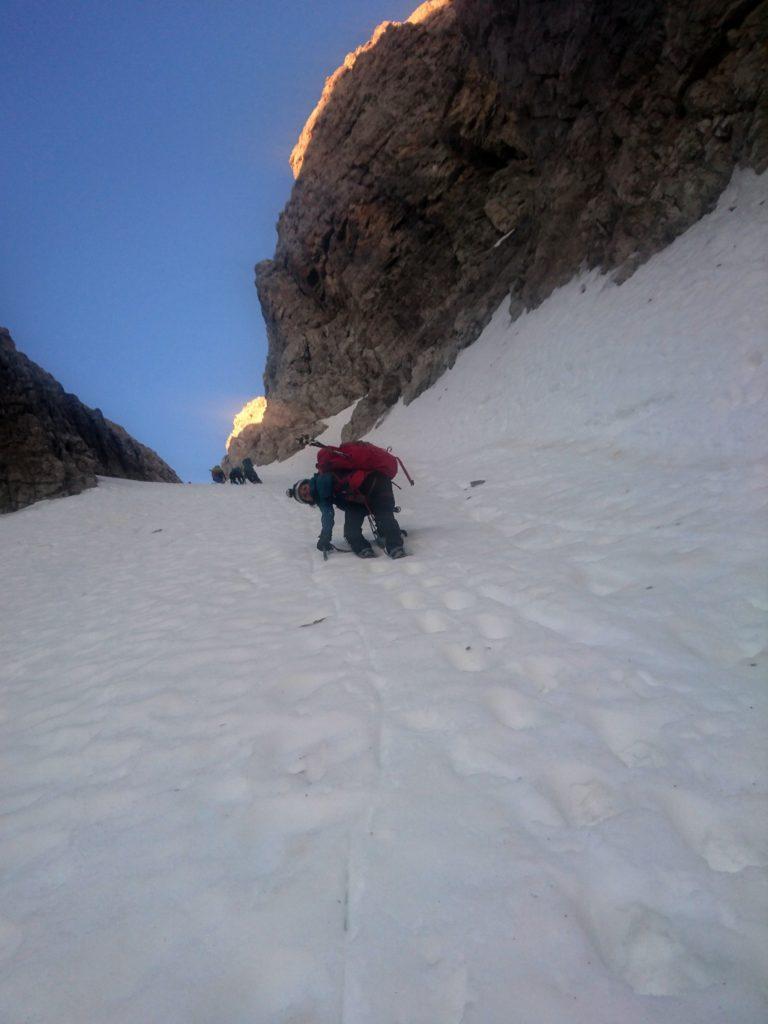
{"x":324,"y":545}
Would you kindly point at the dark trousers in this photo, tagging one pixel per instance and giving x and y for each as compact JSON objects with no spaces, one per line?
{"x":380,"y":503}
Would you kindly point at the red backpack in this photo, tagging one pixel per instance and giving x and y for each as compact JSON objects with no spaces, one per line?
{"x":358,"y":459}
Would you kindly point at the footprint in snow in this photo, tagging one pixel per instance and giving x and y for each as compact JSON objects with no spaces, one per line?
{"x":485,"y":515}
{"x":602,"y":580}
{"x":433,"y":581}
{"x":458,"y":600}
{"x":543,"y":670}
{"x":500,"y":594}
{"x":413,"y":567}
{"x":631,"y":734}
{"x":583,"y":799}
{"x":493,"y":627}
{"x":389,"y":582}
{"x":299,"y":686}
{"x":640,"y":754}
{"x":465,"y":657}
{"x":728,"y":833}
{"x":513,"y":709}
{"x":433,"y":622}
{"x":653,"y":958}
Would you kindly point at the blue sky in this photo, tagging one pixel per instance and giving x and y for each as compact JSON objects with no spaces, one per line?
{"x":143,"y":166}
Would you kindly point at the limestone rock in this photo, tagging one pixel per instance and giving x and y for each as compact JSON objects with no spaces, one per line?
{"x":492,"y":148}
{"x":51,"y":444}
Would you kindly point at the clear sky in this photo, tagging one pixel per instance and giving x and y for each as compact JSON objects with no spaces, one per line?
{"x":144,"y":162}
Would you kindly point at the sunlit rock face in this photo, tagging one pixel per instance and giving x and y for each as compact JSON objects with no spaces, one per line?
{"x":483,"y":149}
{"x":275,"y":439}
{"x":245,"y":428}
{"x":251,"y":414}
{"x":51,"y":444}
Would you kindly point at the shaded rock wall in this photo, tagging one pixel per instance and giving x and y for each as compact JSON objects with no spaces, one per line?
{"x":51,"y":444}
{"x":490,"y":148}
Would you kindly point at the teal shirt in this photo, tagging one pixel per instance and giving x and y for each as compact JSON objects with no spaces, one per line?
{"x":321,"y":488}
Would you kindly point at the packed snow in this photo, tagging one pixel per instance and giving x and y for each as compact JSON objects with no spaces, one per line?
{"x":518,"y":777}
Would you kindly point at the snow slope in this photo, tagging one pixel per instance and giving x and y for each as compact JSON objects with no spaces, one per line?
{"x":516,"y":778}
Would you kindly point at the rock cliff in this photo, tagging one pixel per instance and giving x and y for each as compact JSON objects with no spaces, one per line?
{"x":51,"y":444}
{"x":492,"y":148}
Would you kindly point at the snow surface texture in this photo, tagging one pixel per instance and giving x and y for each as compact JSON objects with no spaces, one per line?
{"x":515,"y":778}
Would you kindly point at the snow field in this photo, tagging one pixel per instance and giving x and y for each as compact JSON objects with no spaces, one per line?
{"x":516,"y":778}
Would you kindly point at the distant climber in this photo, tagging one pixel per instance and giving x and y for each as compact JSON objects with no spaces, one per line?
{"x":357,"y":478}
{"x":250,"y":472}
{"x":217,"y":475}
{"x":236,"y":475}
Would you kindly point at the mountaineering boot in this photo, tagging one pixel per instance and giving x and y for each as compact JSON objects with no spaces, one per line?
{"x":366,"y":553}
{"x":396,"y":553}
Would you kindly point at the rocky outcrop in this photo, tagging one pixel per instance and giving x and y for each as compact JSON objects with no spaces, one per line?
{"x":51,"y":444}
{"x":492,"y":148}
